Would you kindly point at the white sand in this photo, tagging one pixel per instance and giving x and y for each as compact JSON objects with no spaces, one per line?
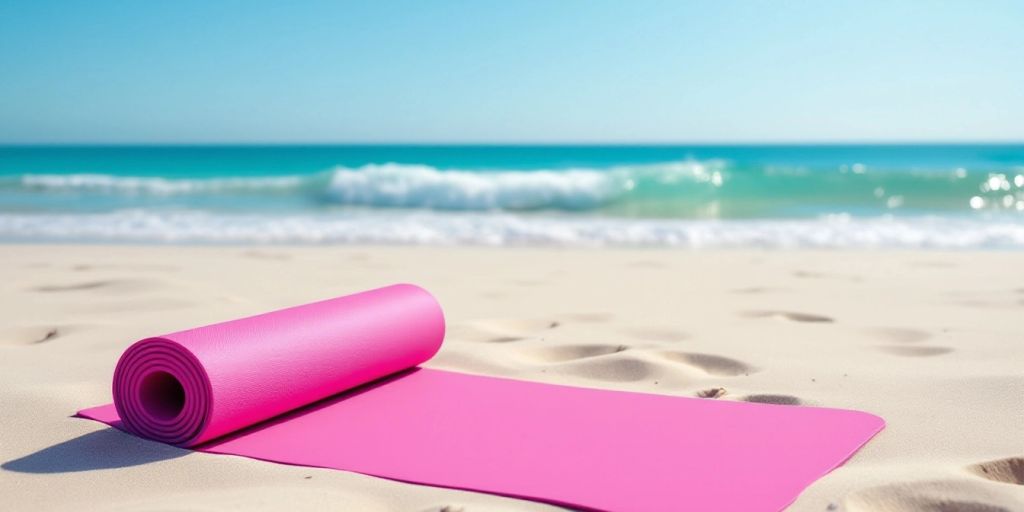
{"x":931,"y":341}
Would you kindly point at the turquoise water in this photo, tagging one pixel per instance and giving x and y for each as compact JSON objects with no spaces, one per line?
{"x":881,"y":195}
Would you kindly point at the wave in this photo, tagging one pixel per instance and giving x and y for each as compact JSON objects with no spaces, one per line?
{"x":105,"y":183}
{"x":420,"y":186}
{"x":394,"y":185}
{"x":503,"y":229}
{"x":685,"y":189}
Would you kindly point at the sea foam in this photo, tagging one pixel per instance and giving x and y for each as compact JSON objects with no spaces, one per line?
{"x":134,"y":185}
{"x":508,"y":229}
{"x":393,"y":185}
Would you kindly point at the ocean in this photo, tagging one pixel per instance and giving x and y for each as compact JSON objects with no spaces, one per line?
{"x":818,"y":196}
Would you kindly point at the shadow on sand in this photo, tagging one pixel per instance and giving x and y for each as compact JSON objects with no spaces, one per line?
{"x":103,"y":449}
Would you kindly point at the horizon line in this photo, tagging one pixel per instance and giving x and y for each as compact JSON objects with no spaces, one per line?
{"x":780,"y":143}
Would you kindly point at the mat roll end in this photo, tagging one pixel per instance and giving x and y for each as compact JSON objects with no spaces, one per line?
{"x":161,"y":392}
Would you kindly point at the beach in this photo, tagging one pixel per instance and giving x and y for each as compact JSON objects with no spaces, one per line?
{"x":929,"y":340}
{"x":518,"y":256}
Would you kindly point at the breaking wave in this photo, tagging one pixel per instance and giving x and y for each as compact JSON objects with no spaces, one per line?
{"x":402,"y":185}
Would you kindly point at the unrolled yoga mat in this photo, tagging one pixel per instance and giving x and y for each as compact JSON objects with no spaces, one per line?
{"x":334,"y":384}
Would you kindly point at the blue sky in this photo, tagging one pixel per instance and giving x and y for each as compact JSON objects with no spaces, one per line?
{"x":559,"y":71}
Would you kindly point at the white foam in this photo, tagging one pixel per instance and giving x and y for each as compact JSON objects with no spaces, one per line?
{"x":420,"y":186}
{"x":415,"y":186}
{"x":137,"y":185}
{"x":501,"y":229}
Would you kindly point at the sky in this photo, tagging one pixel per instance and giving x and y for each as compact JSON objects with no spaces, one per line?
{"x":510,"y":72}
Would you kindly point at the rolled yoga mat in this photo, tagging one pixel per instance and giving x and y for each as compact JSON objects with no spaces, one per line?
{"x":192,"y":386}
{"x":335,"y":384}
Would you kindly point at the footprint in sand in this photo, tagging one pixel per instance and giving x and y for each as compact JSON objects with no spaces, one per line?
{"x":711,"y":393}
{"x":90,"y":285}
{"x":914,"y":351}
{"x":773,"y":399}
{"x":793,"y":316}
{"x":711,"y":364}
{"x":592,"y":362}
{"x":934,"y":496}
{"x":1009,"y":470}
{"x":563,"y":353}
{"x":610,"y":369}
{"x":30,"y":335}
{"x":107,"y":286}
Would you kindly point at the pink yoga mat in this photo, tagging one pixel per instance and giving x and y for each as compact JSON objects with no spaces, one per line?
{"x":334,"y":384}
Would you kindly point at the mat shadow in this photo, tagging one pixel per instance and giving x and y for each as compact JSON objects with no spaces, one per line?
{"x":103,"y":449}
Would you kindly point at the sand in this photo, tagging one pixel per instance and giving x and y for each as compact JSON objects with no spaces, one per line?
{"x":931,"y":341}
